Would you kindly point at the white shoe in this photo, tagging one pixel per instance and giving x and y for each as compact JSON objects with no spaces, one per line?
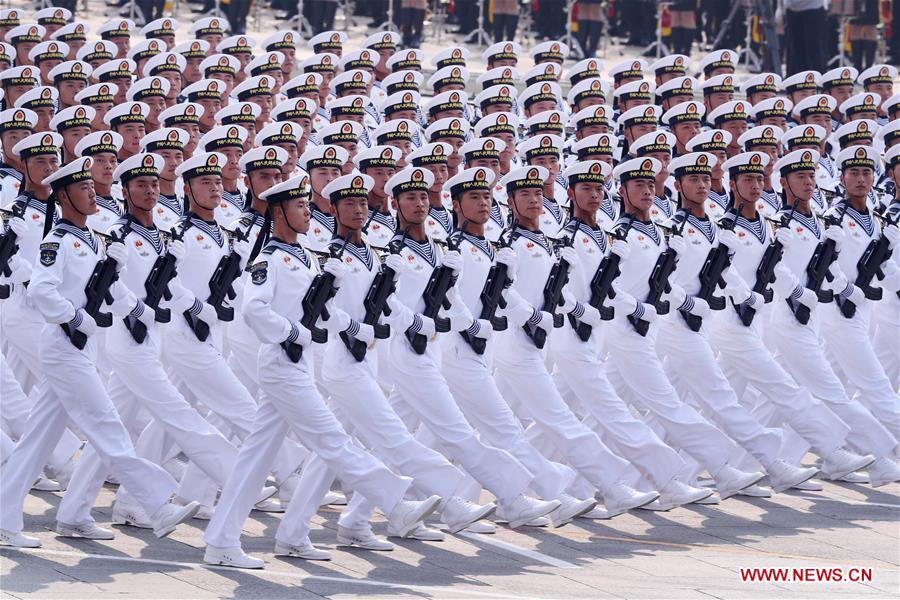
{"x":678,"y":493}
{"x":43,"y":484}
{"x":130,"y":515}
{"x":334,"y":499}
{"x":409,"y":513}
{"x":459,"y":513}
{"x":621,"y":497}
{"x":756,"y":491}
{"x":856,"y":477}
{"x":526,"y":508}
{"x":419,"y":532}
{"x":654,"y":506}
{"x":170,"y":515}
{"x":570,"y":508}
{"x":89,"y":531}
{"x":883,"y":471}
{"x":482,"y":528}
{"x":729,"y":481}
{"x":231,"y":557}
{"x":204,"y":513}
{"x":269,"y":505}
{"x":304,"y":550}
{"x":783,"y":476}
{"x":710,"y":500}
{"x":598,"y":512}
{"x":810,"y":485}
{"x":362,"y":538}
{"x":841,"y":463}
{"x":19,"y":540}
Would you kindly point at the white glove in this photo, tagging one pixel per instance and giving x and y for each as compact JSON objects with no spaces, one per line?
{"x":784,"y":282}
{"x":143,"y":313}
{"x":808,"y":298}
{"x":207,"y":314}
{"x":698,"y":307}
{"x":458,"y":313}
{"x":243,"y":248}
{"x":856,"y":296}
{"x":454,"y":260}
{"x":623,"y":301}
{"x":395,"y":262}
{"x":892,"y":233}
{"x":591,"y":316}
{"x":177,"y":249}
{"x":836,"y":233}
{"x":648,"y":311}
{"x":84,"y":323}
{"x":337,"y":321}
{"x":735,"y":287}
{"x":336,"y":267}
{"x":481,"y":328}
{"x":677,"y":243}
{"x":546,"y":321}
{"x":891,"y":281}
{"x":569,"y":254}
{"x":119,"y":253}
{"x":299,"y":335}
{"x":18,"y":225}
{"x":427,"y":329}
{"x":839,"y":283}
{"x":785,"y":235}
{"x":366,"y":333}
{"x":676,"y":297}
{"x":508,"y":257}
{"x":569,"y":301}
{"x":728,"y":238}
{"x":621,"y":248}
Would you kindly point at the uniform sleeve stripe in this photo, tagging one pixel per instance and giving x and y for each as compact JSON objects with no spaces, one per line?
{"x":76,"y":320}
{"x":798,"y":291}
{"x":578,"y":311}
{"x":535,"y":317}
{"x":474,"y":328}
{"x":138,"y":310}
{"x":638,"y":311}
{"x":294,"y":334}
{"x":196,"y":308}
{"x":354,"y":328}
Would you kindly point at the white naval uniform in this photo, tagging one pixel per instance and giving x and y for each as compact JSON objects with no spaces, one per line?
{"x":138,"y":379}
{"x":886,"y":315}
{"x":525,"y":382}
{"x":418,"y":383}
{"x":168,"y":212}
{"x":472,"y":384}
{"x":11,"y":182}
{"x":289,"y":399}
{"x":439,"y":223}
{"x":231,"y":206}
{"x":661,"y":210}
{"x":357,"y":396}
{"x":499,"y":215}
{"x":636,"y":371}
{"x":799,"y":349}
{"x":321,"y":229}
{"x":746,"y":361}
{"x":691,"y":361}
{"x":382,"y":227}
{"x":579,"y":367}
{"x":849,"y":341}
{"x":553,"y":219}
{"x":109,"y":210}
{"x":71,"y":388}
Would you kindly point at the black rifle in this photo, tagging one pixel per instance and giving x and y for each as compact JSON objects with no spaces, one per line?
{"x":601,"y":286}
{"x":718,"y":259}
{"x":435,"y":295}
{"x":868,"y":267}
{"x":8,"y":247}
{"x":157,"y":288}
{"x":375,"y":303}
{"x":97,"y":292}
{"x":556,"y":280}
{"x":491,"y":297}
{"x":221,"y":287}
{"x":320,"y":291}
{"x":659,"y":281}
{"x":817,"y":270}
{"x":765,"y":271}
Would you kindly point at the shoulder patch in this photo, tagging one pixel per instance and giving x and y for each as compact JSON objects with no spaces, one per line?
{"x":259,"y":272}
{"x":48,"y":253}
{"x":268,"y":250}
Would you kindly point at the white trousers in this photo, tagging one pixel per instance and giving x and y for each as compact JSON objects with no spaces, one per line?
{"x":523,"y":379}
{"x":475,"y":391}
{"x":850,"y":343}
{"x":745,"y":360}
{"x":886,"y":340}
{"x":579,"y":367}
{"x":636,"y":372}
{"x":72,"y":389}
{"x":138,"y":369}
{"x":797,"y":347}
{"x":289,"y":399}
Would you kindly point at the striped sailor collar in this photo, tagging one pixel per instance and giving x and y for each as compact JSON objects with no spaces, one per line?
{"x":864,"y":219}
{"x":424,"y":248}
{"x":172,"y":203}
{"x":594,"y":233}
{"x":30,"y":201}
{"x":250,"y":215}
{"x":7,"y":169}
{"x":608,"y":206}
{"x":555,"y":209}
{"x":663,"y":204}
{"x":294,"y":250}
{"x":647,"y":228}
{"x":496,"y":213}
{"x":442,"y":215}
{"x":151,"y":234}
{"x":537,"y":237}
{"x":362,"y":253}
{"x":110,"y":204}
{"x":705,"y":225}
{"x":385,"y":218}
{"x":210,"y":228}
{"x":84,"y":234}
{"x":810,"y":221}
{"x":771,"y":198}
{"x":479,"y":242}
{"x":720,"y":198}
{"x":234,"y":198}
{"x":756,"y":226}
